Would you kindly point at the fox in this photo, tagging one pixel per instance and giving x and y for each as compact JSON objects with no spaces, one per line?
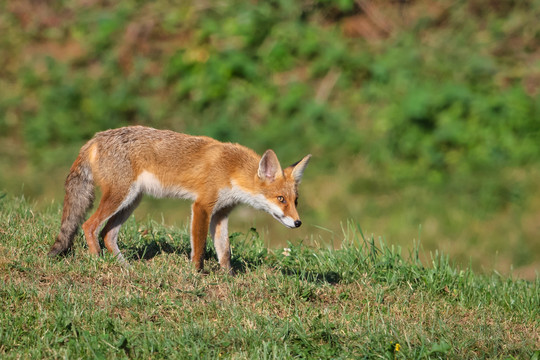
{"x":128,"y":162}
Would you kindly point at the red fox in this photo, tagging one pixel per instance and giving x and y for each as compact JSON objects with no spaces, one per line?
{"x":131,"y":161}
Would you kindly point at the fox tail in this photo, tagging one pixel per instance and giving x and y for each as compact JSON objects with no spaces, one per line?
{"x":79,"y":198}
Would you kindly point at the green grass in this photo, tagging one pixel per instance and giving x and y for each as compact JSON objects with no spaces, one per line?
{"x":356,"y":302}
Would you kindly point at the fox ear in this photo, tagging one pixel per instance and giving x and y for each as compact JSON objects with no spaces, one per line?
{"x":299,"y":167}
{"x":269,"y":167}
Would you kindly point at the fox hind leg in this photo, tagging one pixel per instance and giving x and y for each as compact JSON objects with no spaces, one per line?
{"x":109,"y":205}
{"x":110,"y":231}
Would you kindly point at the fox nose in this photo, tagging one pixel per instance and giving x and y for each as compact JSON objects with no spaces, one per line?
{"x":297,"y":223}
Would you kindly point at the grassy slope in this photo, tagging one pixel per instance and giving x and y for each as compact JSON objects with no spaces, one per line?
{"x":359,"y":301}
{"x":437,"y":98}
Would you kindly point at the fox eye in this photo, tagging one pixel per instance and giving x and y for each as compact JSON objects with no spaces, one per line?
{"x":296,"y":202}
{"x":281,"y":199}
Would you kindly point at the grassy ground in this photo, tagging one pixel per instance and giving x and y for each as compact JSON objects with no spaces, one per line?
{"x":365,"y":300}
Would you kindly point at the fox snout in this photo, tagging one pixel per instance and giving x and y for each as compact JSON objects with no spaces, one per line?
{"x":287,"y":220}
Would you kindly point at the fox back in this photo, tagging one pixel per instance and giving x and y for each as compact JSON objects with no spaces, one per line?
{"x":129,"y":162}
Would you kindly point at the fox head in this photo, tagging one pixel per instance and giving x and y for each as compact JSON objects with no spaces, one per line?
{"x":280,"y":188}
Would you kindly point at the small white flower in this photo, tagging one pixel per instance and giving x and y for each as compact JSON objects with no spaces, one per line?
{"x":286,"y":252}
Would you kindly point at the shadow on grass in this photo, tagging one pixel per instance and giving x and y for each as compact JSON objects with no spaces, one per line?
{"x":241,"y":263}
{"x":329,"y":277}
{"x":149,"y":250}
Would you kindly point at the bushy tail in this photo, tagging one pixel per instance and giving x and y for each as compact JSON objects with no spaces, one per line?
{"x":78,"y":199}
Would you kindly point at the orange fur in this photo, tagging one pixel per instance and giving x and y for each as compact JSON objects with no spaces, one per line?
{"x":129,"y":162}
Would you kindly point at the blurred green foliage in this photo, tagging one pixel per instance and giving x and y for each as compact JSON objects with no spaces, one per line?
{"x":251,"y":72}
{"x":449,"y":120}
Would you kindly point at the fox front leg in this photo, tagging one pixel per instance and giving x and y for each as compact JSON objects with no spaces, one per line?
{"x":200,"y":220}
{"x":220,"y":236}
